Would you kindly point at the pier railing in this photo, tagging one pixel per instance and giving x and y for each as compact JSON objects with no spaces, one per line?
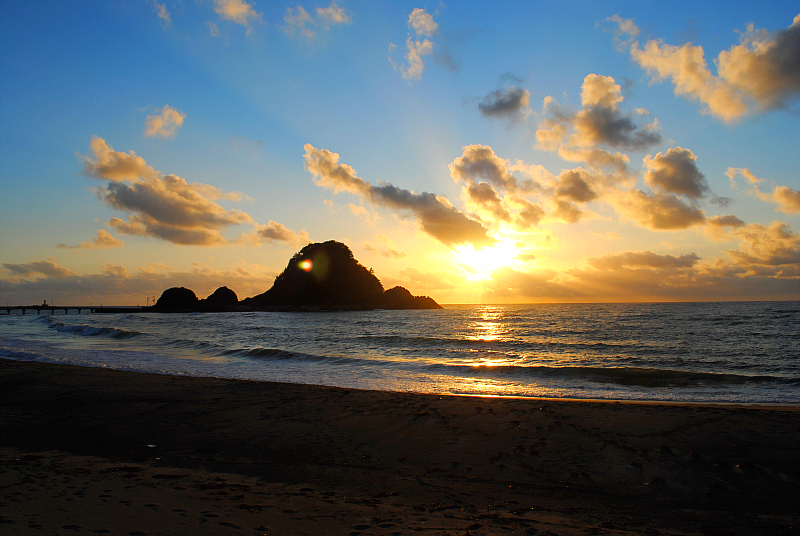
{"x":79,"y":308}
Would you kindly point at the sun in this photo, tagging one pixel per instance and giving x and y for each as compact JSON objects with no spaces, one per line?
{"x":480,"y":263}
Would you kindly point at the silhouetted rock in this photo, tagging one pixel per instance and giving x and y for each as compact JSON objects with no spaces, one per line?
{"x":223,"y":299}
{"x":177,"y":299}
{"x":327,"y":276}
{"x":322,"y":275}
{"x":401,"y":298}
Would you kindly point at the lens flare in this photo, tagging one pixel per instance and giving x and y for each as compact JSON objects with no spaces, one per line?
{"x":305,"y":265}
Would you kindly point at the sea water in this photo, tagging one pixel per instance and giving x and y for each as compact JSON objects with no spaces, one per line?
{"x":705,"y":352}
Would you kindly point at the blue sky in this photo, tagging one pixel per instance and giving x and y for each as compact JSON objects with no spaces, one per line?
{"x":573,"y":151}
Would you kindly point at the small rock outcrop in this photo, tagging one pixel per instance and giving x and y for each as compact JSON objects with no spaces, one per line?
{"x":401,"y":298}
{"x":177,"y":299}
{"x":223,"y":299}
{"x":184,"y":300}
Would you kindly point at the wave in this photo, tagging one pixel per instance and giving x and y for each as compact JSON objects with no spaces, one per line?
{"x":276,"y":354}
{"x":635,"y":376}
{"x":87,"y":330}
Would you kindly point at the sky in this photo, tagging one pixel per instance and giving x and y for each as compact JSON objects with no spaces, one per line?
{"x":474,"y":152}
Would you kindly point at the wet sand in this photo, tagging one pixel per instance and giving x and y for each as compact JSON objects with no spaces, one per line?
{"x":95,"y":451}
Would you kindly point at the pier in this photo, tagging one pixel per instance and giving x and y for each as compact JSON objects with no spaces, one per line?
{"x":79,"y":308}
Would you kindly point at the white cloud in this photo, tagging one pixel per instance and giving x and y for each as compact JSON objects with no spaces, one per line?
{"x":301,"y":22}
{"x":423,"y":26}
{"x":161,"y":11}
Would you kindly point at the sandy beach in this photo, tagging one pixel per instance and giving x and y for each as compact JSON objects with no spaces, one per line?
{"x":96,"y":451}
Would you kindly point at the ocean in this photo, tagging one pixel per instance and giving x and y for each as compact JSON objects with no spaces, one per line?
{"x":746,"y":352}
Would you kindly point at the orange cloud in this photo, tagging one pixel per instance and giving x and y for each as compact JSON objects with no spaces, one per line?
{"x":237,"y":11}
{"x":162,"y":206}
{"x":164,"y":125}
{"x":760,"y":73}
{"x":660,"y":212}
{"x":104,"y":239}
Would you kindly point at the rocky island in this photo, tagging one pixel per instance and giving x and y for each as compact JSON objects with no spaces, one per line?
{"x":321,"y":276}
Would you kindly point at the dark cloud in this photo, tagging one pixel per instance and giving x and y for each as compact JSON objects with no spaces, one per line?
{"x":568,"y":211}
{"x":436,"y":216}
{"x":162,"y":206}
{"x":599,"y":125}
{"x":725,"y":221}
{"x":486,"y":198}
{"x":479,"y":162}
{"x":578,"y":136}
{"x":676,"y":172}
{"x":575,"y":185}
{"x":507,"y":103}
{"x":46,"y":268}
{"x":642,"y":259}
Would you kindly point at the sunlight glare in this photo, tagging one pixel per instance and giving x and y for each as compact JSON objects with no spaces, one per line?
{"x":479,"y":264}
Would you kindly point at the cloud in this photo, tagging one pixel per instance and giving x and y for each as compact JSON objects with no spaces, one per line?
{"x":578,"y":136}
{"x":774,"y":245}
{"x":642,"y":259}
{"x":725,"y":221}
{"x":746,"y":173}
{"x":116,"y":285}
{"x":485,"y":198}
{"x":385,"y":252}
{"x":508,"y":103}
{"x":421,"y":23}
{"x":436,"y":216}
{"x":647,"y":276}
{"x":301,"y":22}
{"x":161,"y":206}
{"x":761,"y":73}
{"x":575,"y":185}
{"x":675,"y":172}
{"x":479,"y":162}
{"x":333,"y":14}
{"x":46,"y":268}
{"x":385,"y":248}
{"x":363,"y":213}
{"x":161,"y":11}
{"x":787,"y":199}
{"x":103,"y":240}
{"x":114,"y":165}
{"x":429,"y":281}
{"x":661,"y":212}
{"x":164,"y":125}
{"x":298,"y":21}
{"x":277,"y":232}
{"x":601,"y":122}
{"x":238,"y":11}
